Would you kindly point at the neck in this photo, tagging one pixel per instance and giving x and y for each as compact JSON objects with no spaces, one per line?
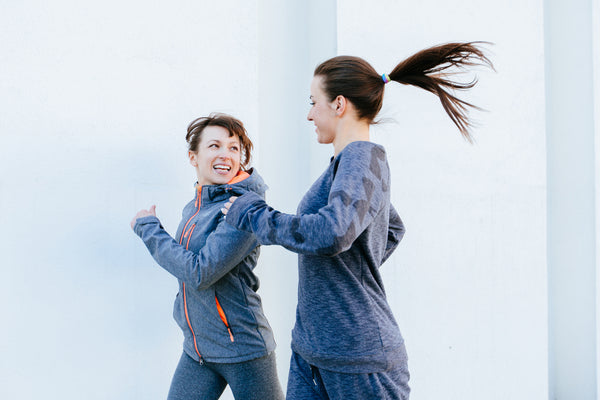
{"x":348,"y":132}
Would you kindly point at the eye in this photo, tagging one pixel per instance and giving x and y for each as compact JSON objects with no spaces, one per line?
{"x":212,"y":145}
{"x":234,"y":148}
{"x":312,"y":103}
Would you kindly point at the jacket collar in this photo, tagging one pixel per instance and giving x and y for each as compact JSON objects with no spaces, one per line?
{"x":211,"y":193}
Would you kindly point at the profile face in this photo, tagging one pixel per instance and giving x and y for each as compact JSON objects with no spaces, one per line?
{"x":217,"y":159}
{"x":322,"y":112}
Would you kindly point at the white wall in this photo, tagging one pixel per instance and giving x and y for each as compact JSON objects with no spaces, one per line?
{"x":95,"y":99}
{"x":293,"y":37}
{"x":468,"y":283}
{"x":572,"y":227}
{"x":94,"y":103}
{"x":596,"y":49}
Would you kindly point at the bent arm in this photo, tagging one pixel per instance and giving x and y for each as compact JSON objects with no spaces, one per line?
{"x":395,"y":233}
{"x":224,"y":249}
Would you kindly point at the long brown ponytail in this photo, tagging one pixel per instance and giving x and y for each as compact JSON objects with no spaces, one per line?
{"x":429,"y":69}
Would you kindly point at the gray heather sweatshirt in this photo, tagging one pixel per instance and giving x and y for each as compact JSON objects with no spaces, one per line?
{"x":344,"y":229}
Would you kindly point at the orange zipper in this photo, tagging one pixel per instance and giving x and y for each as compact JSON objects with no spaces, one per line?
{"x":223,"y":317}
{"x":189,"y":235}
{"x":187,"y":317}
{"x":197,"y":204}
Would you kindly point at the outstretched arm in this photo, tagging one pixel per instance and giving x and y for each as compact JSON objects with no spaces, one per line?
{"x":353,"y":200}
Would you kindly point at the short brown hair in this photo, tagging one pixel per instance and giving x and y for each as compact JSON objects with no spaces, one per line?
{"x":233,"y":125}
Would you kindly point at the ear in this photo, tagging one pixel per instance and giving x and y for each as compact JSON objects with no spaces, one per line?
{"x":193,"y":158}
{"x":340,"y":103}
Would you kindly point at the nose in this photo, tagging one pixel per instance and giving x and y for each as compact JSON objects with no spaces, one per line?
{"x":224,"y":154}
{"x":309,"y":115}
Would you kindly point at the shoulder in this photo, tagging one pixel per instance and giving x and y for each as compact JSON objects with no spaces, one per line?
{"x":363,"y":157}
{"x":253,"y":183}
{"x":364,"y":149}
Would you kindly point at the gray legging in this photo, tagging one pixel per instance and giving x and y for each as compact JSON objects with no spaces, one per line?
{"x":250,"y":380}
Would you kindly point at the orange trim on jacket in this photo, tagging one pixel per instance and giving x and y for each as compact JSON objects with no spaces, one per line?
{"x":197,"y":203}
{"x":223,"y":317}
{"x":187,"y":317}
{"x":204,"y":248}
{"x":239,"y":177}
{"x":189,"y":235}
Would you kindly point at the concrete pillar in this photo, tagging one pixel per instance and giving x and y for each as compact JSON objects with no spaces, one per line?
{"x":571,"y":200}
{"x":293,"y":37}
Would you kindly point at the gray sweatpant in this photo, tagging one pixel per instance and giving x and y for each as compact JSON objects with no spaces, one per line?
{"x":250,"y":380}
{"x":307,"y":382}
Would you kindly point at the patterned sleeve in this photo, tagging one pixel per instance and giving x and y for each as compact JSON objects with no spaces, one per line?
{"x":355,"y":197}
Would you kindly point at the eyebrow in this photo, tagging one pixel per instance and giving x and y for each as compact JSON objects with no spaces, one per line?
{"x":219,"y":141}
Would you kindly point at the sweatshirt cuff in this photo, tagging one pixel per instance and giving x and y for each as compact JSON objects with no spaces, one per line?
{"x":140,"y":222}
{"x":239,"y":209}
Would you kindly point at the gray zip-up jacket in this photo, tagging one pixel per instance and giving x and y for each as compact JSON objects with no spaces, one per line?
{"x":217,"y":306}
{"x":344,"y":229}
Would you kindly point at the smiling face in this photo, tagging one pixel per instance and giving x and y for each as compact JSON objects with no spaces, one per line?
{"x":217,"y":159}
{"x":322,"y":112}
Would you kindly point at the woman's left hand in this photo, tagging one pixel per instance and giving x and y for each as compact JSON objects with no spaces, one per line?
{"x":143,"y":213}
{"x":227,"y":205}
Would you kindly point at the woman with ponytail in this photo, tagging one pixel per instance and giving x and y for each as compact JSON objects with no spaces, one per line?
{"x":346,"y":343}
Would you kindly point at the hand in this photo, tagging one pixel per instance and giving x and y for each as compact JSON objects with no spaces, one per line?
{"x":143,"y":213}
{"x":227,"y":205}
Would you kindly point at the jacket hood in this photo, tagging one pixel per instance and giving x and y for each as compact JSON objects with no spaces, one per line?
{"x":253,"y":183}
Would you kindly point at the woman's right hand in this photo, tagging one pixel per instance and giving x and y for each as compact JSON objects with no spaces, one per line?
{"x":227,"y":205}
{"x":143,"y":213}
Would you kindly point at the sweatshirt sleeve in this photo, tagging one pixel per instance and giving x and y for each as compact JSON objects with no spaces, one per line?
{"x":395,"y":233}
{"x":224,"y":249}
{"x":355,"y":198}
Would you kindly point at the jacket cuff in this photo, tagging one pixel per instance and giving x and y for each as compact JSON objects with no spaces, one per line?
{"x":239,"y":209}
{"x":140,"y":222}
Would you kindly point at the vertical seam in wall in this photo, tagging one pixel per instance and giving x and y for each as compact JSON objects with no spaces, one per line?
{"x":337,"y":32}
{"x":257,"y":136}
{"x":547,"y":88}
{"x":323,"y":44}
{"x":596,"y":99}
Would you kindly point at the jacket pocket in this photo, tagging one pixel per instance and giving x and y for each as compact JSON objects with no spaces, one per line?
{"x":223,"y":317}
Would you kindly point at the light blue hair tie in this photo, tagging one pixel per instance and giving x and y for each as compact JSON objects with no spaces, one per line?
{"x":385,"y":78}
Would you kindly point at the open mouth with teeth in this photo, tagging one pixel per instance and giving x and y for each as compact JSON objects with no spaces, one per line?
{"x":221,"y":168}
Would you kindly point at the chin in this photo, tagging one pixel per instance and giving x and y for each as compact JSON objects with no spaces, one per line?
{"x":222,"y":180}
{"x":218,"y":180}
